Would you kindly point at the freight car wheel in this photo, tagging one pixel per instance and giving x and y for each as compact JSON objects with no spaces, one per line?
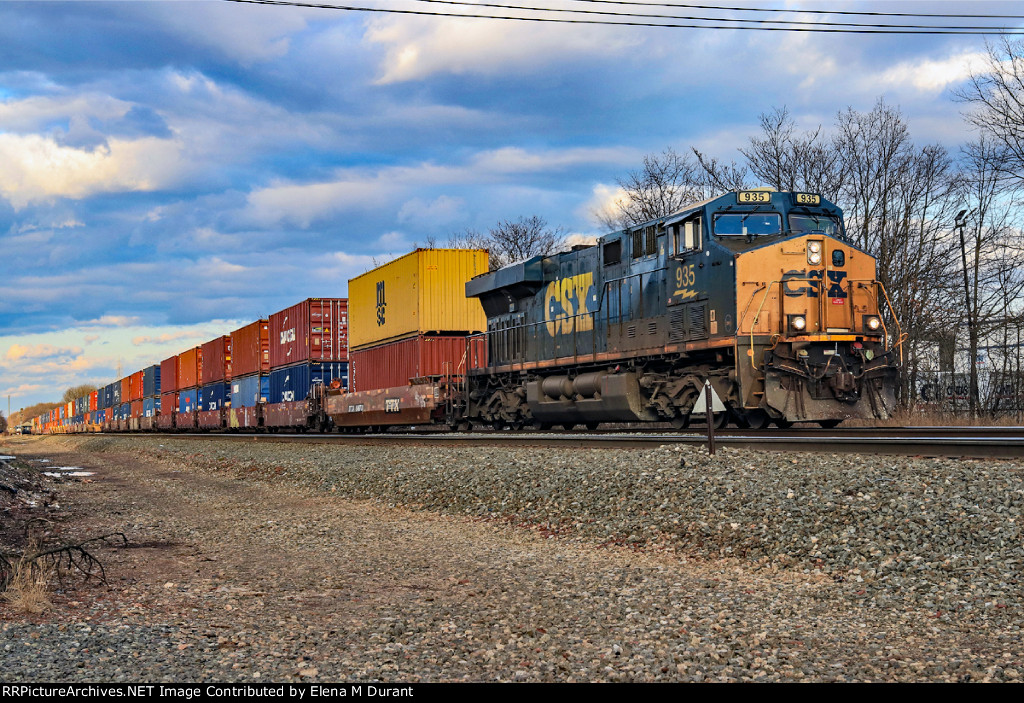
{"x":829,"y":424}
{"x":783,"y":424}
{"x":757,"y":419}
{"x":568,"y":426}
{"x":593,"y":425}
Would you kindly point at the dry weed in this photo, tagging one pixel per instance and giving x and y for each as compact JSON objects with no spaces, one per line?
{"x":27,"y":589}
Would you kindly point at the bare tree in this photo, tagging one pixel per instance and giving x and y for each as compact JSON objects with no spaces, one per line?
{"x":788,"y":161}
{"x":997,"y":95}
{"x":3,"y":423}
{"x":666,"y":184}
{"x":511,"y":241}
{"x":76,"y":392}
{"x":991,"y":251}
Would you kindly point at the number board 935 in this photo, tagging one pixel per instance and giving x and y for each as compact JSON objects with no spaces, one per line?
{"x":753,"y":196}
{"x":807,"y":198}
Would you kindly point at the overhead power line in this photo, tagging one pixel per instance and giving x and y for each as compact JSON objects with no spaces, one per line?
{"x":816,"y":27}
{"x":743,"y":20}
{"x":794,"y":10}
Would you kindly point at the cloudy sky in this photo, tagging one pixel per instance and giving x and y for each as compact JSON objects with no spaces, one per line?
{"x":172,"y":170}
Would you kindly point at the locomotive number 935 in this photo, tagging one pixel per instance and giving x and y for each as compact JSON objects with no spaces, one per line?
{"x":758,"y":292}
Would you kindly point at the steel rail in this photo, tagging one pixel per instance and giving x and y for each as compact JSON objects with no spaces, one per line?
{"x":910,"y":444}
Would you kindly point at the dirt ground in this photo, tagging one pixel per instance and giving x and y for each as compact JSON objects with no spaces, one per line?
{"x":235,"y":579}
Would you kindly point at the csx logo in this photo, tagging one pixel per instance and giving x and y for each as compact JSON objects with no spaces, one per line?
{"x":382,"y":304}
{"x":567,"y":297}
{"x":795,"y":289}
{"x":287,"y":336}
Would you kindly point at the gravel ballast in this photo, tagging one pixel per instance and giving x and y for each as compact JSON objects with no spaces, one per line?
{"x":540,"y":564}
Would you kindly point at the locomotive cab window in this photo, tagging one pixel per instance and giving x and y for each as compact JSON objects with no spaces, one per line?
{"x":687,"y":236}
{"x":613,"y":252}
{"x":754,"y":224}
{"x":815,"y":223}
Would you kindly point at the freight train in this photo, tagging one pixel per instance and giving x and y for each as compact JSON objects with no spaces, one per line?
{"x":758,"y":295}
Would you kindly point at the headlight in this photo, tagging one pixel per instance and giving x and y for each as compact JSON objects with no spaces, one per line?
{"x":814,"y":258}
{"x":814,"y":247}
{"x":874,"y":323}
{"x":798,"y":322}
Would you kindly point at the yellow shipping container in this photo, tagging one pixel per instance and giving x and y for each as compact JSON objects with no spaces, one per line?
{"x":420,"y":293}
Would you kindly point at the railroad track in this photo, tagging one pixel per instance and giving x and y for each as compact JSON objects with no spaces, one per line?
{"x":973,"y":442}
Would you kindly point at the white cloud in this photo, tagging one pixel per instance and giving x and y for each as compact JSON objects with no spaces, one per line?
{"x":17,"y":352}
{"x":416,"y":48}
{"x":248,"y":35}
{"x":604,"y":200}
{"x":112,"y":321}
{"x":440,"y":211}
{"x":34,"y":168}
{"x":362,"y":189}
{"x":930,"y":76}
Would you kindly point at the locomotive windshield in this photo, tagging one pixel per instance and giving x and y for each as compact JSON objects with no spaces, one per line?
{"x":751,"y":224}
{"x":815,"y":223}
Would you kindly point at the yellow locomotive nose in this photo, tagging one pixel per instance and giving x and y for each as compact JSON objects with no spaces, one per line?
{"x":811,"y":330}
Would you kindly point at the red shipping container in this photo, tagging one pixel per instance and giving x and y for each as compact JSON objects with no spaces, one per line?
{"x":110,"y":415}
{"x":168,"y":402}
{"x":135,"y":386}
{"x":169,"y":374}
{"x":126,"y":389}
{"x":250,"y":349}
{"x":136,"y":408}
{"x":190,"y":368}
{"x":398,"y":363}
{"x":314,"y":330}
{"x":216,"y":358}
{"x":94,"y":401}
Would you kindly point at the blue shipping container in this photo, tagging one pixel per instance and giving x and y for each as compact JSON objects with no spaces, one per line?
{"x":293,"y":383}
{"x":188,"y":400}
{"x":115,"y":393}
{"x":150,"y":407}
{"x":214,"y":396}
{"x":151,"y":382}
{"x":125,"y":411}
{"x":247,"y":391}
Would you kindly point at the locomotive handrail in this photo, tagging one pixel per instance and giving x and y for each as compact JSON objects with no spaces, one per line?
{"x":900,"y":337}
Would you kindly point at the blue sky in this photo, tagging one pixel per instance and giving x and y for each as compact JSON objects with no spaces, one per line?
{"x":172,"y":170}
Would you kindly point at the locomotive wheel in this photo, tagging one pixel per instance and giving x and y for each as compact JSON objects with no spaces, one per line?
{"x":829,"y":424}
{"x":680,"y":422}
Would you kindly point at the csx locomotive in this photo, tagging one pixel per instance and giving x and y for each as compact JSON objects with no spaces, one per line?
{"x":758,"y":292}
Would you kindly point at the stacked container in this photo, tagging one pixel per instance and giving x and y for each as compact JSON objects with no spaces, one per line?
{"x":151,"y":391}
{"x":190,"y":373}
{"x":168,"y":392}
{"x":308,"y":345}
{"x":250,"y":364}
{"x":216,"y":373}
{"x":411,"y":318}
